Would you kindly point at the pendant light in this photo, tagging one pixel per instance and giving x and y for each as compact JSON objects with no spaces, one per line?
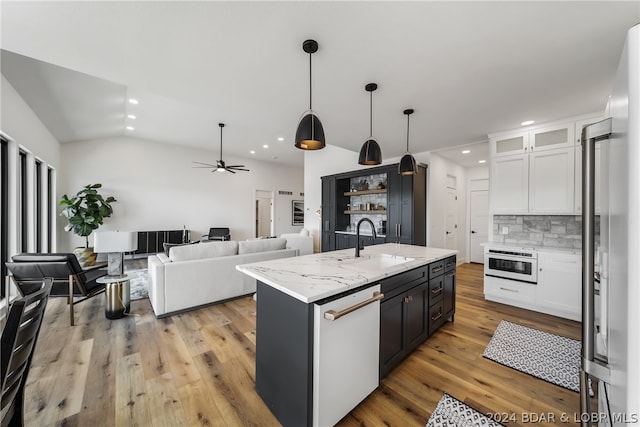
{"x":310,"y":134}
{"x":407,"y":164}
{"x":370,"y":153}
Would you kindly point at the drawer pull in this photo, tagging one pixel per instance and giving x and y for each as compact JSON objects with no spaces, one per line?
{"x":510,"y":290}
{"x":436,"y":317}
{"x":437,"y":269}
{"x":436,"y":291}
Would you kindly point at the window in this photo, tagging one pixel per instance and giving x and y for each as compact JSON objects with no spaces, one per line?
{"x":23,"y":217}
{"x":38,"y":209}
{"x":4,"y":211}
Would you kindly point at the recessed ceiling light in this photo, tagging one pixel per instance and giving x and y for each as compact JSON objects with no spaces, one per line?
{"x":280,"y":139}
{"x":133,"y":101}
{"x":527,"y":122}
{"x":252,"y":152}
{"x":482,"y":161}
{"x":131,"y":116}
{"x":265,"y":146}
{"x":275,"y":157}
{"x":130,"y":128}
{"x":466,"y":151}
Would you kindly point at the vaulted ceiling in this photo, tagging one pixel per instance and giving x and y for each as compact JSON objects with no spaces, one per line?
{"x":467,"y":68}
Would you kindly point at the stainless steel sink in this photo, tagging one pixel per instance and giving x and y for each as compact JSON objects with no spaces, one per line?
{"x":377,"y":262}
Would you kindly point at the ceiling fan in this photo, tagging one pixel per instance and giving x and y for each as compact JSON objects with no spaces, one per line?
{"x":220,"y":165}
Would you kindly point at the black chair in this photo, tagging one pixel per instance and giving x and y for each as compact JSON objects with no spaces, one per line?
{"x":217,"y":233}
{"x":19,"y":338}
{"x":69,"y":279}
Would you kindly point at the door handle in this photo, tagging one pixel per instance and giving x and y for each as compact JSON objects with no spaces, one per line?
{"x":335,"y":315}
{"x":473,"y":232}
{"x":448,"y":232}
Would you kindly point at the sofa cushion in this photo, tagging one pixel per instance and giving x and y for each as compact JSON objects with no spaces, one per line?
{"x":261,"y":245}
{"x":201,"y":250}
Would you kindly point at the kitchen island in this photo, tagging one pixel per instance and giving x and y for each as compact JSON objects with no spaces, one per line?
{"x":330,"y":325}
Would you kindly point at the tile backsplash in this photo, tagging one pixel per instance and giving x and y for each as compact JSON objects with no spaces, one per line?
{"x":541,"y":230}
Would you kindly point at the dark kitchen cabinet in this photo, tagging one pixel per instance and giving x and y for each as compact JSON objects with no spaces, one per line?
{"x":416,"y":304}
{"x":404,"y":213}
{"x":406,"y":216}
{"x":328,"y":214}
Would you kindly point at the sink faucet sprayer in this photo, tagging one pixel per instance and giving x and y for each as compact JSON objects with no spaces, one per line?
{"x":373,"y":231}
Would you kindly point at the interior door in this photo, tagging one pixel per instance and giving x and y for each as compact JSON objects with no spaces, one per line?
{"x":479,"y":218}
{"x":451,"y":220}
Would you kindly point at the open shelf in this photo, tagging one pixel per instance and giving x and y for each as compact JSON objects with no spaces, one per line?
{"x":365,"y":192}
{"x":371,"y":212}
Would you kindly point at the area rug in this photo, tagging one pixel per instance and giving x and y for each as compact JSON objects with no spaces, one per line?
{"x":451,"y":412}
{"x":138,"y":283}
{"x":550,"y":357}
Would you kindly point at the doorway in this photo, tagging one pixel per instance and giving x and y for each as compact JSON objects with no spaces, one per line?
{"x":451,"y":214}
{"x":478,"y":221}
{"x":264,"y":207}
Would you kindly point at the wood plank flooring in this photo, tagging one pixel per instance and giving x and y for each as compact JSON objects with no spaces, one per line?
{"x":198,"y":368}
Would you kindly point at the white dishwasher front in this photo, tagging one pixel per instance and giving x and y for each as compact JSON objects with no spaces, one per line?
{"x":346,"y":354}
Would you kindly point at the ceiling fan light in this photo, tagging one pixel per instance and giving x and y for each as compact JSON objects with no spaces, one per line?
{"x":310,"y":133}
{"x":370,"y":153}
{"x":407,"y":165}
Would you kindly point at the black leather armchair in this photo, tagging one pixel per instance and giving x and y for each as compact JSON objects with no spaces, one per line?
{"x":69,"y":279}
{"x":217,"y":233}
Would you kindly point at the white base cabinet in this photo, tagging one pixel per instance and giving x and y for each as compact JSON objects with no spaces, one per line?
{"x":559,"y":283}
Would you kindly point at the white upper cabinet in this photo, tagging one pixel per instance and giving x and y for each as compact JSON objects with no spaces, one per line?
{"x":551,"y":181}
{"x":545,"y":138}
{"x":509,"y":181}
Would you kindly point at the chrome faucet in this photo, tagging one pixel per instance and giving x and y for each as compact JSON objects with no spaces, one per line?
{"x":373,"y":231}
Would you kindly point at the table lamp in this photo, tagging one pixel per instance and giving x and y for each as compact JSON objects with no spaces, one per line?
{"x":115,"y":244}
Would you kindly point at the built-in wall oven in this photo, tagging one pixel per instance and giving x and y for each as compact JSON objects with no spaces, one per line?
{"x":520,"y":265}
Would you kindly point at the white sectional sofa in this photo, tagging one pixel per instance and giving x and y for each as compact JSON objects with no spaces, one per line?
{"x":204,"y":273}
{"x":301,"y":241}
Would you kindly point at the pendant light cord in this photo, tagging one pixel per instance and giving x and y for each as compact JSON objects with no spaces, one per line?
{"x":407,"y":133}
{"x":310,"y":82}
{"x":371,"y":113}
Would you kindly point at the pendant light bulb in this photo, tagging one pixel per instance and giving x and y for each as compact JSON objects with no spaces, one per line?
{"x":310,"y":134}
{"x":407,"y":164}
{"x":370,"y":153}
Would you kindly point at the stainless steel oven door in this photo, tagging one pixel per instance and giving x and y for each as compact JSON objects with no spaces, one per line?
{"x":523,"y":269}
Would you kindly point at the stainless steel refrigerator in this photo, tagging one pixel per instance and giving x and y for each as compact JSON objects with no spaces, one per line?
{"x":611,"y":257}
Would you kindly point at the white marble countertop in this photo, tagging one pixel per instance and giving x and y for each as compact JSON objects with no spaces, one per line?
{"x":532,"y":247}
{"x":313,"y":277}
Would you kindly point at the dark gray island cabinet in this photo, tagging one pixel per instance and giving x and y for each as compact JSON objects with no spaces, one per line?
{"x":330,"y":325}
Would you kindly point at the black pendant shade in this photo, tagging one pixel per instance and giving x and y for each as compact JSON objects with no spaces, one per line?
{"x":407,"y":164}
{"x":370,"y":153}
{"x":310,"y":134}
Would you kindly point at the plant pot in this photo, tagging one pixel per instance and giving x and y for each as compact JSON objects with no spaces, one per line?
{"x":86,"y":256}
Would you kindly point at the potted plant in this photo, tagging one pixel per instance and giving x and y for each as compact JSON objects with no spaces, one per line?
{"x":85,"y":212}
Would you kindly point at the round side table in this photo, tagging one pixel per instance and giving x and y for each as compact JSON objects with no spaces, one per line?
{"x":118,"y":296}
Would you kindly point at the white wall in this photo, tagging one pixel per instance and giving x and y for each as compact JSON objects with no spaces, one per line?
{"x":24,"y":130}
{"x":157,"y":188}
{"x":439,"y":168}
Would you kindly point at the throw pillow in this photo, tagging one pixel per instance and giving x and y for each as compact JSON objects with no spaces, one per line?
{"x":201,"y":250}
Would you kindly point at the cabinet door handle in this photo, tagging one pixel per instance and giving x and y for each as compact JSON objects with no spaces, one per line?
{"x":436,"y":317}
{"x":437,"y":269}
{"x":510,"y":290}
{"x":436,"y":291}
{"x":335,"y":315}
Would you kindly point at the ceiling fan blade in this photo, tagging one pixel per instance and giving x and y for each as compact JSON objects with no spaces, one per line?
{"x":206,"y":164}
{"x":229,"y":170}
{"x":239,"y":169}
{"x":214,"y":169}
{"x":235,"y":166}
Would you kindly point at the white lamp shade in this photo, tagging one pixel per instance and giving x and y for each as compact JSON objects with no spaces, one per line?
{"x":115,"y":241}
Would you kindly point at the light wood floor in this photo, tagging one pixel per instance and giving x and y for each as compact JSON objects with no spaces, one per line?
{"x":198,"y":368}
